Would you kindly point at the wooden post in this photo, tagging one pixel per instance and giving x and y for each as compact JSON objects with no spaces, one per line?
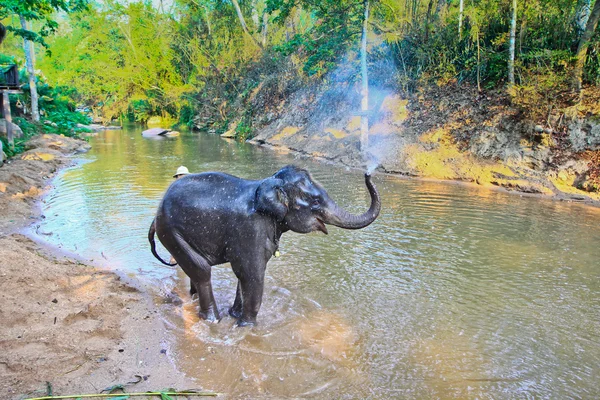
{"x":8,"y":119}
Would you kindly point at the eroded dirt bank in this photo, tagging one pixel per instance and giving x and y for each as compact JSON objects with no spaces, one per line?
{"x":78,"y":327}
{"x":448,"y":132}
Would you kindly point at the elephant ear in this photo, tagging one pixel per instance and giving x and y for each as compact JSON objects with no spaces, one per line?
{"x":271,"y":198}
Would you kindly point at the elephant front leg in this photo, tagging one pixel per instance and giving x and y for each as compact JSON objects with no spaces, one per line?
{"x":251,"y":283}
{"x":236,"y":310}
{"x":252,"y":292}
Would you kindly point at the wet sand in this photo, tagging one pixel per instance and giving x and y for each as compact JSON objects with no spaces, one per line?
{"x":78,"y":327}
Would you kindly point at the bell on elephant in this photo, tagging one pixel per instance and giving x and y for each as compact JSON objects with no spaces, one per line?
{"x":212,"y":218}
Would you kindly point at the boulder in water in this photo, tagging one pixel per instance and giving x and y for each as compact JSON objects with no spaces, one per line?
{"x":155,"y":132}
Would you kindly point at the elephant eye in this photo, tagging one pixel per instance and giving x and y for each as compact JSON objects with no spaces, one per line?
{"x":315,"y":203}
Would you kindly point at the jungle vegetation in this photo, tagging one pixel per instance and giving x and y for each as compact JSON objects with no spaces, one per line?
{"x":138,"y":59}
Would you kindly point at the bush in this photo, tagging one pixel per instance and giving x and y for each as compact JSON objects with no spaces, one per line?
{"x":29,"y":130}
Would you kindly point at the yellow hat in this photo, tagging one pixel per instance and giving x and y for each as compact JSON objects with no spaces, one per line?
{"x":181,"y":171}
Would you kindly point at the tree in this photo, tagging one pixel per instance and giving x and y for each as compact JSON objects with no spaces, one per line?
{"x":2,"y":32}
{"x":584,"y":43}
{"x":511,"y":46}
{"x":36,"y":10}
{"x":29,"y":61}
{"x":238,"y":10}
{"x":460,"y":18}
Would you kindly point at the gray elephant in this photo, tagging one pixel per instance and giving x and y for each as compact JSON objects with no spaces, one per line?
{"x":212,"y":218}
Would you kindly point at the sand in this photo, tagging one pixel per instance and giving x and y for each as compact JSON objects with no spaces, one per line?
{"x":74,"y":327}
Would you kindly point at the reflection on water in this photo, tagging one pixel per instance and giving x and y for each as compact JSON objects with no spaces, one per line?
{"x":455,"y":292}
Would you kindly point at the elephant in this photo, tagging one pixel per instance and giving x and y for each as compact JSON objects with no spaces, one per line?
{"x":212,"y":218}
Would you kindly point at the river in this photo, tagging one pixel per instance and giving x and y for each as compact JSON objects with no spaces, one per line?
{"x":454,"y":292}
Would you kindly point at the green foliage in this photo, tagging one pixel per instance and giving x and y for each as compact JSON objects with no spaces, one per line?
{"x":29,"y":130}
{"x":119,"y":60}
{"x":244,"y":131}
{"x":194,"y":62}
{"x":337,"y":26}
{"x":38,"y":10}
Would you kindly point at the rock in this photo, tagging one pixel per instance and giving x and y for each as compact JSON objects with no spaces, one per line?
{"x":541,"y":129}
{"x":155,"y":132}
{"x":17,"y":132}
{"x":584,"y":134}
{"x":37,"y":155}
{"x":99,"y":127}
{"x":230,"y":134}
{"x":563,"y":176}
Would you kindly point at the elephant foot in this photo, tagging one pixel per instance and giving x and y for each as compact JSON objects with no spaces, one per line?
{"x":243,"y":322}
{"x":211,"y":316}
{"x":235,"y":313}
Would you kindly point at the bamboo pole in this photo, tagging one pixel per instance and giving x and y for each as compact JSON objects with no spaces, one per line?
{"x":104,"y":395}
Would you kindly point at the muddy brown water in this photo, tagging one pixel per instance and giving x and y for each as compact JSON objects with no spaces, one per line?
{"x":454,"y":292}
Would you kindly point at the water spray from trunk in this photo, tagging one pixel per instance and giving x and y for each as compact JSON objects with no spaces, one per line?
{"x":364,"y":104}
{"x":370,"y":160}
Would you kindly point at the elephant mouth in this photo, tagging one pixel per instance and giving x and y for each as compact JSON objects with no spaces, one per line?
{"x":321,"y":226}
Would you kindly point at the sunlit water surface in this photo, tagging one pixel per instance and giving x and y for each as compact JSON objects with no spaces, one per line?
{"x":454,"y":292}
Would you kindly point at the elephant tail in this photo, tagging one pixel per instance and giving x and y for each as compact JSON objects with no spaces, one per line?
{"x":151,"y":233}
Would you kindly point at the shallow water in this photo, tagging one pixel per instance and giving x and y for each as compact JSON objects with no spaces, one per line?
{"x":454,"y":292}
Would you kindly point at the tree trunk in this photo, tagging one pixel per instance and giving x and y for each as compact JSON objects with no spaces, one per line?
{"x":523,"y":27}
{"x":265,"y":29}
{"x":441,"y":4}
{"x":428,"y":20}
{"x":2,"y":32}
{"x":364,"y":104}
{"x":584,"y":43}
{"x":511,"y":47}
{"x":238,"y":10}
{"x":255,"y":15}
{"x":8,"y":120}
{"x":460,"y":18}
{"x":582,"y":15}
{"x":28,"y":48}
{"x":207,"y":16}
{"x":478,"y":64}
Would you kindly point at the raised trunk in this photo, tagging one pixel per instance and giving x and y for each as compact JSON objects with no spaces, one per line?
{"x":337,"y":216}
{"x":28,"y":48}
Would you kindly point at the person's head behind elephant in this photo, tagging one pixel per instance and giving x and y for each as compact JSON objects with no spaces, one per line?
{"x":292,"y":196}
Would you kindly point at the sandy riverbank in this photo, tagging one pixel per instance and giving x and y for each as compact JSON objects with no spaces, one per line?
{"x":78,"y":327}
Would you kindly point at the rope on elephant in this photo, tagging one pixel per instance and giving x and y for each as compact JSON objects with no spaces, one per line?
{"x":124,"y":396}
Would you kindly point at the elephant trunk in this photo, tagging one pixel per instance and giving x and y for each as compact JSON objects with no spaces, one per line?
{"x":337,"y":216}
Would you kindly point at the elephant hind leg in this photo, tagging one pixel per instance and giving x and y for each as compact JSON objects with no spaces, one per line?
{"x":236,"y":310}
{"x":199,"y":271}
